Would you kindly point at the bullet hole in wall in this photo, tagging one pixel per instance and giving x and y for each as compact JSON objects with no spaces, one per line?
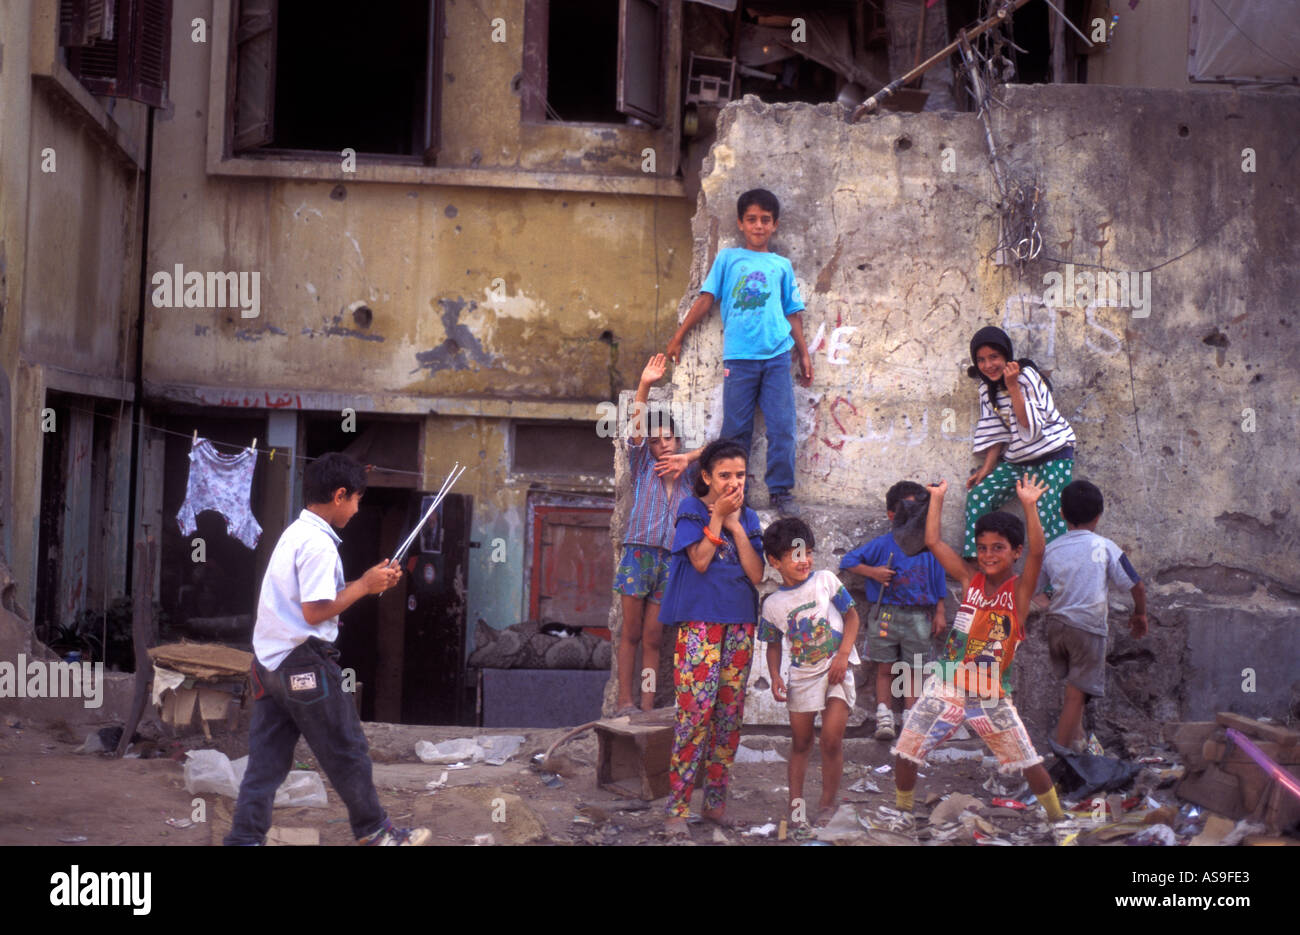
{"x":450,"y":211}
{"x":1183,"y":130}
{"x":363,"y":316}
{"x":902,"y":143}
{"x":1216,"y":338}
{"x":607,"y":336}
{"x":338,"y":193}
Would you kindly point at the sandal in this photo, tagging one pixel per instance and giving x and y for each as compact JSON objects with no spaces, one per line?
{"x":628,"y":710}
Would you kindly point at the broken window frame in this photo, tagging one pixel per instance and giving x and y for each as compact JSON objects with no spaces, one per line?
{"x":122,"y":52}
{"x":259,"y":32}
{"x":533,"y":108}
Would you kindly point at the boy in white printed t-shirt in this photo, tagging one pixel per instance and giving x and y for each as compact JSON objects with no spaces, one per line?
{"x":815,"y":614}
{"x":297,"y":683}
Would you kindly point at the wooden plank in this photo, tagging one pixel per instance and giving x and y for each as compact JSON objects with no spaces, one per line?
{"x":1253,"y":728}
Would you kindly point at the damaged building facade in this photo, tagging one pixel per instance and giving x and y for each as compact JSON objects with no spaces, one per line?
{"x":463,"y":267}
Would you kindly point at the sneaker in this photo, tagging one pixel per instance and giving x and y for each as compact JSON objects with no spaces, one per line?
{"x":784,"y":504}
{"x":388,"y":836}
{"x":884,"y":723}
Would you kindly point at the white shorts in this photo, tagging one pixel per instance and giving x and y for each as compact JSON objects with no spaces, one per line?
{"x":812,"y":690}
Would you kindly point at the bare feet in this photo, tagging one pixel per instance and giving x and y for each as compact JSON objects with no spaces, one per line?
{"x":676,"y":828}
{"x":824,"y":814}
{"x":718,"y":818}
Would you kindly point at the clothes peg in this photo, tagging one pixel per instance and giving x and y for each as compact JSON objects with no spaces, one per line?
{"x":195,"y":440}
{"x":273,"y":455}
{"x":254,"y":446}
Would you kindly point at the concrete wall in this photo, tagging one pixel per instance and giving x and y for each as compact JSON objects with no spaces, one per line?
{"x":1185,"y":417}
{"x":69,"y":265}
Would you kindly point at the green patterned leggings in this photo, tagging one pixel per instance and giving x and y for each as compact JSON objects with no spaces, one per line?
{"x":1000,"y":486}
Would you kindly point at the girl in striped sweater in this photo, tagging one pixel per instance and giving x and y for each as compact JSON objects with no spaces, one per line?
{"x":1020,"y":431}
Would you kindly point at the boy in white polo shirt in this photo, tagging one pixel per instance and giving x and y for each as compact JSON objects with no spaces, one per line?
{"x":297,"y":682}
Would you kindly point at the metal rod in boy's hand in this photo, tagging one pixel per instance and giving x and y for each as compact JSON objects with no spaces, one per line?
{"x":875,"y":611}
{"x":447,"y":484}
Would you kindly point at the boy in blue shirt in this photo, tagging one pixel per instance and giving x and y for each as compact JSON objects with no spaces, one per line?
{"x":761,"y":324}
{"x":910,"y":614}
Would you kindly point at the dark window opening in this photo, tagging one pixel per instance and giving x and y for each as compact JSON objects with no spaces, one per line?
{"x":582,"y":61}
{"x":595,"y":61}
{"x":350,"y":81}
{"x":314,"y":75}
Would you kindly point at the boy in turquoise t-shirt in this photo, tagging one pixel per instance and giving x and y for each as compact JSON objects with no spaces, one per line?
{"x":761,"y":324}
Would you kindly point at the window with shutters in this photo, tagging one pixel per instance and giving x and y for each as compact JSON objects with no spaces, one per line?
{"x":595,"y":61}
{"x":119,"y":48}
{"x":312,"y":75}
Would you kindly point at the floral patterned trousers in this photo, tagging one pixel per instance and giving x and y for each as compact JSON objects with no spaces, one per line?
{"x":711,"y":668}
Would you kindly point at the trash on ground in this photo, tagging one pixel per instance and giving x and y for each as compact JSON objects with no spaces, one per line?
{"x":883,"y":769}
{"x":864,"y":785}
{"x":435,"y":784}
{"x":843,"y":826}
{"x":950,"y":808}
{"x":484,"y":840}
{"x":212,"y":772}
{"x":73,"y":839}
{"x":449,"y":751}
{"x":759,"y":831}
{"x":1154,"y":836}
{"x":180,"y":822}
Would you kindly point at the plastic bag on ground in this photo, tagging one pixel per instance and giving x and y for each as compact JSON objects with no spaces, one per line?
{"x":210,"y":772}
{"x":462,"y":749}
{"x":497,"y":748}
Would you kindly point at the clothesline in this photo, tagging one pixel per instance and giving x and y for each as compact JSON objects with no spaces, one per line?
{"x":259,"y":452}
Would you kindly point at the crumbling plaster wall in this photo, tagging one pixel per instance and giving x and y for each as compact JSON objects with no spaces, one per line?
{"x":1185,"y":417}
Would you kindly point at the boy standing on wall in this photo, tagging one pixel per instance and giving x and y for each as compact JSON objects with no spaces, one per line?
{"x":761,"y":324}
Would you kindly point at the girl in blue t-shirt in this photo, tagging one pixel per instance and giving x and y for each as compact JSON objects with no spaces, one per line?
{"x":711,"y":596}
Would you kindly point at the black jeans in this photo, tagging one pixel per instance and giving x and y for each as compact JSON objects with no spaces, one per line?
{"x":304,"y":697}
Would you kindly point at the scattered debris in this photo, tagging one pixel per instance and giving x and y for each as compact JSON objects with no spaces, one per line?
{"x":212,"y":772}
{"x":180,"y":822}
{"x":953,"y":806}
{"x":73,"y":839}
{"x":435,"y":784}
{"x":759,"y":831}
{"x":864,"y":785}
{"x":1154,"y":835}
{"x":883,"y":769}
{"x":484,"y":840}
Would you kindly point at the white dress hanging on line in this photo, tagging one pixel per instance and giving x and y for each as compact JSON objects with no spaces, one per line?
{"x":222,"y":483}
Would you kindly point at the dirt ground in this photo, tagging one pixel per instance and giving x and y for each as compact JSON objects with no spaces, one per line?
{"x":51,"y":795}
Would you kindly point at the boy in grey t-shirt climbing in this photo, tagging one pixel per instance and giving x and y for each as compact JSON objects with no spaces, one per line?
{"x":1076,"y":568}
